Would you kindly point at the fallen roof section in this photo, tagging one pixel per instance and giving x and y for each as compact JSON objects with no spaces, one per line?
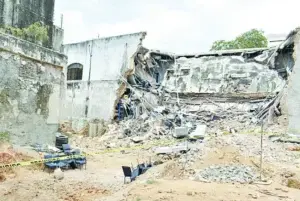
{"x":224,"y":52}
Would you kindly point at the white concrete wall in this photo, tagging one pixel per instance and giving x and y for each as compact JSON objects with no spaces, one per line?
{"x":102,"y":97}
{"x":108,"y":55}
{"x":110,"y":58}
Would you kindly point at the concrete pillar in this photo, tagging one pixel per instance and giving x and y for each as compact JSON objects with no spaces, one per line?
{"x":93,"y":129}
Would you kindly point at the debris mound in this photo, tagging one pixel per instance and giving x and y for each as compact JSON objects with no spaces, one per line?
{"x":227,"y":174}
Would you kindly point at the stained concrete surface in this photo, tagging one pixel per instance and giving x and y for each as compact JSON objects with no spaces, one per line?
{"x":224,"y":74}
{"x":29,"y":91}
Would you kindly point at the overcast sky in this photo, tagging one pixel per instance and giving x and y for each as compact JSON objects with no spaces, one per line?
{"x":179,"y":26}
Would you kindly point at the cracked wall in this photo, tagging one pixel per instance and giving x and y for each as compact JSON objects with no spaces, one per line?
{"x":31,"y":88}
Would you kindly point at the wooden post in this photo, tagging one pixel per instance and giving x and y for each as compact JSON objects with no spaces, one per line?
{"x":261,"y":147}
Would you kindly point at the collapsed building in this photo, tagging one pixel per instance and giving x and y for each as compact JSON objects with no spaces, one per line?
{"x":239,"y":86}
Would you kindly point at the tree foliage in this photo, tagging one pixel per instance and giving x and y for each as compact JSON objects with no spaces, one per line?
{"x":36,"y":33}
{"x":251,"y":39}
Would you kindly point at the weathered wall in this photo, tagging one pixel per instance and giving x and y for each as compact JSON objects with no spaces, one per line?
{"x":107,"y":55}
{"x":6,"y":14}
{"x":101,"y":98}
{"x":27,"y":12}
{"x":224,"y":74}
{"x":31,"y":89}
{"x":293,"y":94}
{"x":58,"y":38}
{"x":110,"y":58}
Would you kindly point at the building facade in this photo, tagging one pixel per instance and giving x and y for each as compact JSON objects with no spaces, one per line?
{"x":94,"y":74}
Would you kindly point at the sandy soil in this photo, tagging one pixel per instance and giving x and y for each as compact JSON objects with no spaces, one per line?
{"x":103,"y":181}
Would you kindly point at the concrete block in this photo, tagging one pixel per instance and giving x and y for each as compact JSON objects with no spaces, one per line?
{"x":242,"y":75}
{"x":199,"y":133}
{"x":180,"y":148}
{"x":93,"y":128}
{"x":181,"y":132}
{"x":101,"y":129}
{"x":163,"y":150}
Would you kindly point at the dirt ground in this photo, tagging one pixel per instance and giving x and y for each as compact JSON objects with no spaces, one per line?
{"x":102,"y":180}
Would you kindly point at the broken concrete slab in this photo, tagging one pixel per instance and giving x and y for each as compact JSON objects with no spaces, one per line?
{"x":199,"y":133}
{"x":144,"y":116}
{"x":181,"y":132}
{"x":163,"y":150}
{"x":137,"y":139}
{"x":170,"y":150}
{"x":160,"y":109}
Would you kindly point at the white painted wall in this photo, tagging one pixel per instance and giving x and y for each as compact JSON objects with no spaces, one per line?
{"x":110,"y":56}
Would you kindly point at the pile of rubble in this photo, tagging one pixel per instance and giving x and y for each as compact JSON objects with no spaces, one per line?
{"x":249,"y":145}
{"x":227,"y":174}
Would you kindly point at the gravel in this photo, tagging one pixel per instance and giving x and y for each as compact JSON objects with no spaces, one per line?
{"x":227,"y":174}
{"x":249,"y":145}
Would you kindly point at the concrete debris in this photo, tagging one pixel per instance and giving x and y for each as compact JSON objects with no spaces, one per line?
{"x":144,"y":116}
{"x":97,"y":128}
{"x":199,"y":133}
{"x":58,"y":174}
{"x":227,"y":174}
{"x":137,"y":139}
{"x":249,"y":144}
{"x":225,"y":92}
{"x":160,"y":109}
{"x":171,"y":150}
{"x":181,"y":132}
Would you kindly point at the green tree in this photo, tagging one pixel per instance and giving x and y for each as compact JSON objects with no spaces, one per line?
{"x":251,"y":39}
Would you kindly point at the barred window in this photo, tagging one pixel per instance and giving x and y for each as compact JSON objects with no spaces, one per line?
{"x":75,"y":71}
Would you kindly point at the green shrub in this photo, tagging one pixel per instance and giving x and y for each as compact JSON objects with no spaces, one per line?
{"x":36,"y":33}
{"x":4,"y":137}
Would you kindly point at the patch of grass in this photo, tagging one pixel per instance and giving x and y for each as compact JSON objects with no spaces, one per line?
{"x":150,"y":181}
{"x":138,"y":199}
{"x":293,"y":183}
{"x":226,"y":133}
{"x":4,"y":137}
